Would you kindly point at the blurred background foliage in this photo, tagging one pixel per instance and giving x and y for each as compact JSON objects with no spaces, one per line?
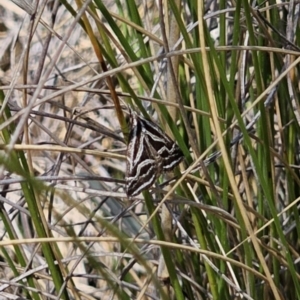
{"x":221,"y":78}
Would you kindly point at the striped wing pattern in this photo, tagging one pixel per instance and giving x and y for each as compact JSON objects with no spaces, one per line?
{"x":149,"y":153}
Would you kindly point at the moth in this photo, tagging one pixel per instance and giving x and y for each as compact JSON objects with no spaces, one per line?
{"x":150,"y":152}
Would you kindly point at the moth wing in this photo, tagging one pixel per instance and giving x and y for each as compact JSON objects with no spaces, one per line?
{"x":144,"y":165}
{"x":143,"y":173}
{"x":166,"y":148}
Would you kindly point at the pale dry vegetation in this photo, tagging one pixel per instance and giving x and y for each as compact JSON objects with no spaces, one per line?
{"x":227,"y":231}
